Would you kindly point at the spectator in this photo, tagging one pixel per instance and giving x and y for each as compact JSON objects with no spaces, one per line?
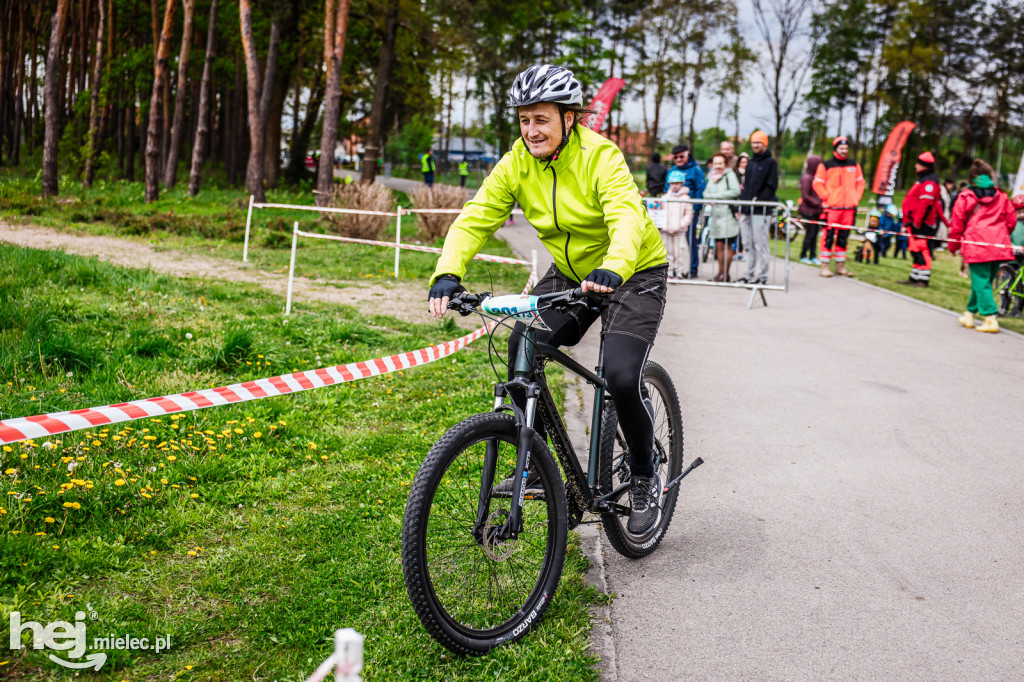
{"x":983,"y":214}
{"x":463,"y":172}
{"x":810,"y":210}
{"x":695,"y":181}
{"x":760,"y":181}
{"x":678,"y":216}
{"x":728,"y":150}
{"x":902,"y":240}
{"x":742,"y":161}
{"x":655,"y":176}
{"x":840,"y":184}
{"x":722,"y":184}
{"x":427,"y":166}
{"x":922,"y":210}
{"x":889,"y":226}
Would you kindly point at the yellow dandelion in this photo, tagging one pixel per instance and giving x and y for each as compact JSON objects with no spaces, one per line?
{"x":119,"y":481}
{"x":193,"y":496}
{"x":50,"y":519}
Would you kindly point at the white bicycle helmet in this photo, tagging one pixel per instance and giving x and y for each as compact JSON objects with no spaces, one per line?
{"x":545,"y":83}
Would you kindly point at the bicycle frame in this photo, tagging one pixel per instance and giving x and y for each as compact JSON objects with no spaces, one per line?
{"x":583,"y":488}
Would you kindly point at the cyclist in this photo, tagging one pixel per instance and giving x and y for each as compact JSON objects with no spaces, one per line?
{"x":576,"y":190}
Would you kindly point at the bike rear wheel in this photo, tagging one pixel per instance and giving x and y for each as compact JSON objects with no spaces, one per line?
{"x":472,"y":591}
{"x":668,"y":462}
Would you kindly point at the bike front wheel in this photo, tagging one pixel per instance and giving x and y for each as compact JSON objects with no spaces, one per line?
{"x":663,"y":406}
{"x":471,"y":589}
{"x":1006,"y":297}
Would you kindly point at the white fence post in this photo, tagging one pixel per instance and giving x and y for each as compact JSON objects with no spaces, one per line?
{"x":398,"y":238}
{"x":291,"y":268}
{"x":348,"y":655}
{"x":248,"y":224}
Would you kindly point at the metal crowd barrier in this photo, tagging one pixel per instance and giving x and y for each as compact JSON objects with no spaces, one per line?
{"x":755,"y":289}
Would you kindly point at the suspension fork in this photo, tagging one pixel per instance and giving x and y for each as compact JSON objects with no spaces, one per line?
{"x":524,"y":365}
{"x":595,"y":424}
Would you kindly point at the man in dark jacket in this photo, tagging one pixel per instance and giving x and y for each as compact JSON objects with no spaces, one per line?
{"x":695,"y":182}
{"x":759,"y":184}
{"x":655,"y":176}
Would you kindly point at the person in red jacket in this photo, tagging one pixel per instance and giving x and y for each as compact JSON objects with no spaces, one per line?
{"x":922,"y":211}
{"x":984,"y":215}
{"x":840,"y":184}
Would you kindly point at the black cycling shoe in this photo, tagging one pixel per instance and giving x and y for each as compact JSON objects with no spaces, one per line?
{"x":645,"y":503}
{"x":504,"y":489}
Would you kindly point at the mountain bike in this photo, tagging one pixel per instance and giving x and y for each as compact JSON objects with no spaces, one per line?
{"x":1009,"y":288}
{"x":486,"y":524}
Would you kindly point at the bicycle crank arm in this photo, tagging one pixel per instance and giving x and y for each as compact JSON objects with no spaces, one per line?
{"x":675,"y":481}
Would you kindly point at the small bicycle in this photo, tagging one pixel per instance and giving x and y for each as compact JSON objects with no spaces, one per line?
{"x":1009,"y":288}
{"x":486,"y":525}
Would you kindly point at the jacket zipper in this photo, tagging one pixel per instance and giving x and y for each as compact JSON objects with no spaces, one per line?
{"x":554,"y":211}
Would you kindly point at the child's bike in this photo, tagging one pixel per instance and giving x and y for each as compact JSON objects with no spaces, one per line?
{"x":1009,"y":288}
{"x":486,"y":525}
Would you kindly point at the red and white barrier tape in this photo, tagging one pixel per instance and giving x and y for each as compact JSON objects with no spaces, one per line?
{"x":43,"y":425}
{"x":897,"y":234}
{"x":410,"y":247}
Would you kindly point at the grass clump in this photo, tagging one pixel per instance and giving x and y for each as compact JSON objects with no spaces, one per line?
{"x":434,"y":226}
{"x":363,"y":197}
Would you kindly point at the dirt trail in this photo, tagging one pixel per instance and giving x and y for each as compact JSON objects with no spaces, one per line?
{"x":404,"y":300}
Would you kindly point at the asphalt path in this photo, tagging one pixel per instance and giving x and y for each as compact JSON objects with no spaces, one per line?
{"x":859,"y":512}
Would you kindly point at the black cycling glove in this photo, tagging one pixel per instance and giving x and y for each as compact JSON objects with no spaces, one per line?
{"x":445,"y":286}
{"x":605,"y":278}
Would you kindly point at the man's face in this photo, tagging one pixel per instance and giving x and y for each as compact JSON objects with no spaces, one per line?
{"x":757,"y":146}
{"x":541,"y":128}
{"x":842,"y":150}
{"x":727,"y":149}
{"x":681,"y":158}
{"x":920,"y":167}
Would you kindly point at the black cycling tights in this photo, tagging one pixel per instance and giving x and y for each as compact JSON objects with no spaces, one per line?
{"x":624,"y":359}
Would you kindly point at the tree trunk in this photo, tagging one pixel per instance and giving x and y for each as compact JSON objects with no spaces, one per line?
{"x":19,"y":84}
{"x":52,"y":96}
{"x":258,"y":95}
{"x":300,"y":141}
{"x":177,"y":130}
{"x":152,"y":131}
{"x":129,"y":172}
{"x":385,"y":64}
{"x":329,"y":136}
{"x":204,"y":105}
{"x":94,"y":107}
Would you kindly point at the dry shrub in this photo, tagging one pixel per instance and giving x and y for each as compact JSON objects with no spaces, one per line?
{"x":433,"y":226}
{"x":375,"y":197}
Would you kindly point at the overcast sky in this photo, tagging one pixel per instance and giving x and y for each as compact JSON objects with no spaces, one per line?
{"x":755,"y":111}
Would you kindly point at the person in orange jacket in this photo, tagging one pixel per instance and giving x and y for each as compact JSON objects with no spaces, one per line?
{"x":840,"y":184}
{"x":922,"y":211}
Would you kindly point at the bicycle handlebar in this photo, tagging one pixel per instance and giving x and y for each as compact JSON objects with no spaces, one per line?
{"x":466,"y":303}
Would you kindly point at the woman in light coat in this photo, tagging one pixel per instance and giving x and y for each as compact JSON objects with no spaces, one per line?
{"x":722,"y":184}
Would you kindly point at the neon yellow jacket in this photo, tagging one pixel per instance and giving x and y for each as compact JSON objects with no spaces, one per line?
{"x":584,"y":205}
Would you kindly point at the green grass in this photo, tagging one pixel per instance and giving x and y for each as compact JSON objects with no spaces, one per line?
{"x":248,"y":533}
{"x":947,"y":288}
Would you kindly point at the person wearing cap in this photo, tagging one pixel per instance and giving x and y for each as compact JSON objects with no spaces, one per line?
{"x":984,"y":218}
{"x":922,"y":211}
{"x":760,"y":181}
{"x":695,"y":182}
{"x":839,"y":182}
